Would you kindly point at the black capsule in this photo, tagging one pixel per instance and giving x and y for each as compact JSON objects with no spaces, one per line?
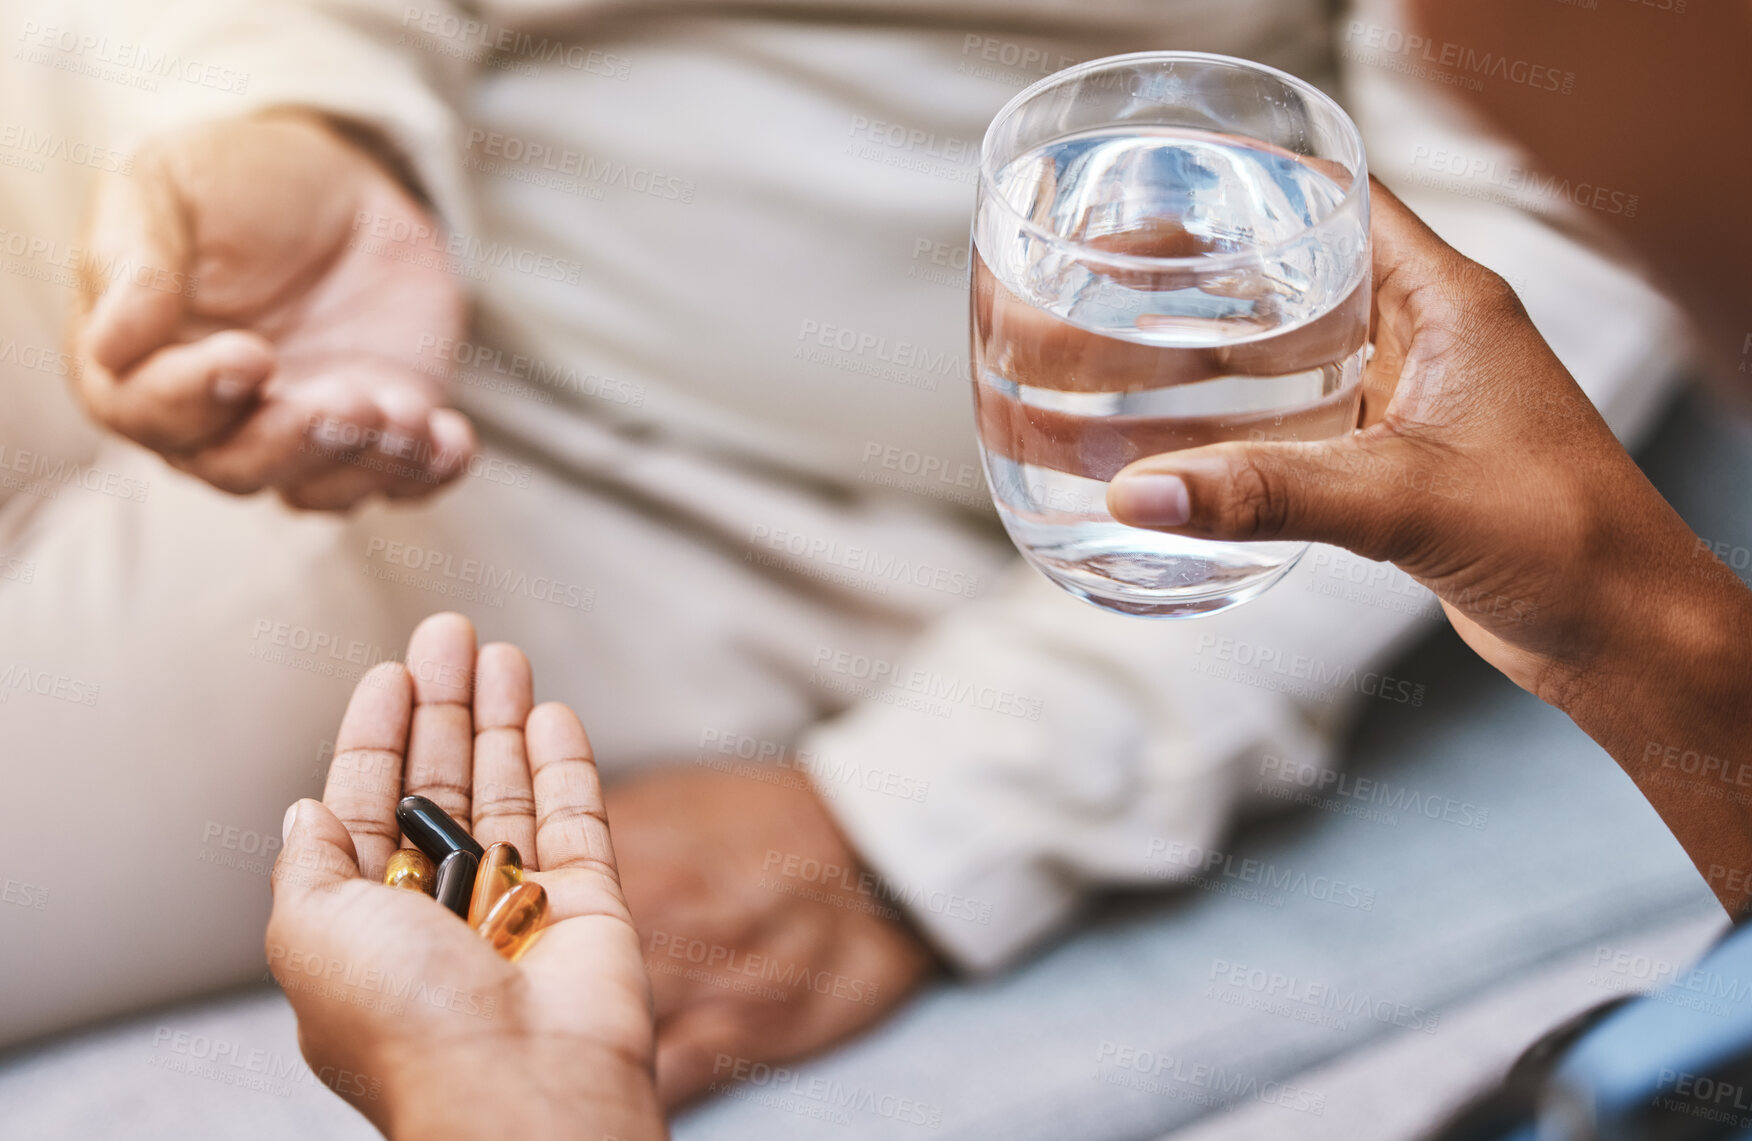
{"x":433,"y":831}
{"x":456,"y":876}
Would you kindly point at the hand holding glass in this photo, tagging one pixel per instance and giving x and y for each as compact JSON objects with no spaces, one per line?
{"x":1171,"y":249}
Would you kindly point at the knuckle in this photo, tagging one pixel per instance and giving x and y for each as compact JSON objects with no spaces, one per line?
{"x":225,"y":479}
{"x":1256,"y":506}
{"x":1485,"y":295}
{"x":357,"y":826}
{"x":297,"y":499}
{"x":572,"y":816}
{"x":505,"y":809}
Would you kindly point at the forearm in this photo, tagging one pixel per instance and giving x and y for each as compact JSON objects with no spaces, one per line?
{"x":534,"y":1091}
{"x":1085,"y":746}
{"x":1671,"y":699}
{"x":393,"y":88}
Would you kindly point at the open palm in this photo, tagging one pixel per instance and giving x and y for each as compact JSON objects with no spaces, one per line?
{"x":262,"y":304}
{"x":391,"y":986}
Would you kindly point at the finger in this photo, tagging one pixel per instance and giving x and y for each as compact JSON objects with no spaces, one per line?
{"x":1415,"y":271}
{"x":287,"y":439}
{"x":504,"y":793}
{"x":340,"y":488}
{"x":441,"y":656}
{"x":447,"y":441}
{"x":364,"y":780}
{"x":185,"y":396}
{"x":1419,"y":297}
{"x":133,"y":283}
{"x":571,"y":827}
{"x":318,"y":854}
{"x":671,"y":994}
{"x":368,"y":434}
{"x":690,"y":1044}
{"x":1350,"y":491}
{"x":356,"y":477}
{"x":454,"y":443}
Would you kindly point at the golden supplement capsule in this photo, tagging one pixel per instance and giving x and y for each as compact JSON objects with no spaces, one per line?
{"x":515,"y":920}
{"x":411,"y":870}
{"x":501,"y":870}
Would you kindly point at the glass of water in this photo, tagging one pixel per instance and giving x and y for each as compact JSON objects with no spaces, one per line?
{"x":1171,"y":249}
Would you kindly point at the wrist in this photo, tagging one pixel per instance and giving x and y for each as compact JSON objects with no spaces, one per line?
{"x":1674,"y":713}
{"x":365,"y":140}
{"x":557,"y":1088}
{"x":1647,"y":615}
{"x":1678,"y":653}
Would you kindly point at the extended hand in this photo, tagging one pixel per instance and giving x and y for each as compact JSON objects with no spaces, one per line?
{"x":1492,"y":480}
{"x":261,"y":301}
{"x":765,"y":937}
{"x":402,"y":1008}
{"x":1489,"y":476}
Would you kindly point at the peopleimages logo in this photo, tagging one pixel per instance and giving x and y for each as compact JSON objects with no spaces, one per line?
{"x":39,"y":145}
{"x":475,"y":254}
{"x":490,"y":361}
{"x":830,"y":1093}
{"x":830,"y":775}
{"x":135,"y":64}
{"x":491,"y":578}
{"x":1220,"y":1085}
{"x":884,"y":567}
{"x":1464,"y":172}
{"x":929,"y":685}
{"x":1267,"y":662}
{"x":1208,"y":863}
{"x":1319,"y":996}
{"x":715,"y":958}
{"x":1328,"y":787}
{"x":1409,"y":53}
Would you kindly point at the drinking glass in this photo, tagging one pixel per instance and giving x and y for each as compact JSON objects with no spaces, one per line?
{"x":1170,"y":249}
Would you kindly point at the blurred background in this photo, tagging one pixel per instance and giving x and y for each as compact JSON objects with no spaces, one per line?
{"x":948,"y":853}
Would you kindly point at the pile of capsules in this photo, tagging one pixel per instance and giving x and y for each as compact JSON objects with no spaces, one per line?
{"x":484,"y":887}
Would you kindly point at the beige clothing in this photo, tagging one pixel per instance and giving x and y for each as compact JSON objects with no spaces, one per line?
{"x":732,"y":506}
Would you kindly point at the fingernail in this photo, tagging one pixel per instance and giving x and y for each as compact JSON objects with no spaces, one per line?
{"x":1150,"y":501}
{"x":230,"y":387}
{"x":286,"y":824}
{"x":451,"y":439}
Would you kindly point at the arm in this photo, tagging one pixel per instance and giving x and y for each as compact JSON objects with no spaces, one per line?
{"x":1669,"y":690}
{"x":1055,"y":751}
{"x":258,"y":289}
{"x":1561,"y":565}
{"x":350,"y":60}
{"x":1153,"y":733}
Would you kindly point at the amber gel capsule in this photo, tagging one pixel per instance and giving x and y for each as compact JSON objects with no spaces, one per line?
{"x":515,"y":919}
{"x":501,"y":870}
{"x":432,"y":829}
{"x":410,"y":869}
{"x":456,"y":876}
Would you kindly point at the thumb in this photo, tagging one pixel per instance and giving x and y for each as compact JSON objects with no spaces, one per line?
{"x":133,"y":277}
{"x":1350,"y":492}
{"x":318,"y":853}
{"x":697,"y":1049}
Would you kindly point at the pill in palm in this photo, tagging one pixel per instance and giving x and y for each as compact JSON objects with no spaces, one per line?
{"x":456,"y":876}
{"x":515,"y":920}
{"x":501,"y":870}
{"x":433,"y":830}
{"x":410,"y":869}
